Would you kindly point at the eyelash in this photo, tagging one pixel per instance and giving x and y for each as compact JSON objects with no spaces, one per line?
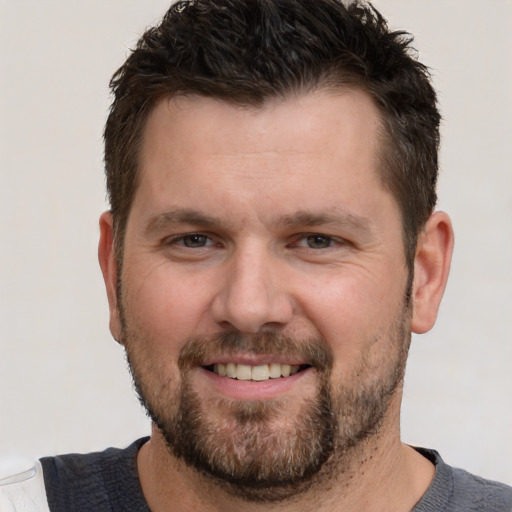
{"x":330,"y":241}
{"x":309,"y":238}
{"x":182,"y":238}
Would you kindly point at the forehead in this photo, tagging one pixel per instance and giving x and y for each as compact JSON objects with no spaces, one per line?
{"x":306,"y":146}
{"x":324,"y":120}
{"x":332,"y":107}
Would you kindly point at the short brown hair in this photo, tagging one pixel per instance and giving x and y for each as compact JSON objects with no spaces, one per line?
{"x":247,"y":51}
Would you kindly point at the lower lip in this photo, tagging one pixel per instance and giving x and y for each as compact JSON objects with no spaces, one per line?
{"x":254,"y":390}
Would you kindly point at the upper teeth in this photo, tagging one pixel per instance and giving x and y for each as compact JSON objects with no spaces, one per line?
{"x":260,"y":372}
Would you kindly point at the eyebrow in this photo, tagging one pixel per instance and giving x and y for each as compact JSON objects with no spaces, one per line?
{"x":197,"y":218}
{"x":180,"y":216}
{"x":339,"y":217}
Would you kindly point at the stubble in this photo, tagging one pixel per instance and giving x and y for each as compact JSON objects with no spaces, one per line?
{"x":248,"y":448}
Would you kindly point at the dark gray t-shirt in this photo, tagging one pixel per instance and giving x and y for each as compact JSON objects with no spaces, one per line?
{"x":456,"y":490}
{"x":108,"y":482}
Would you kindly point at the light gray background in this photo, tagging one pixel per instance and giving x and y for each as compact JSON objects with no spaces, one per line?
{"x":63,"y":381}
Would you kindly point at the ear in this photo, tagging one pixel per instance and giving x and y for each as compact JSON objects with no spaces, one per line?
{"x":431,"y":269}
{"x":108,"y":264}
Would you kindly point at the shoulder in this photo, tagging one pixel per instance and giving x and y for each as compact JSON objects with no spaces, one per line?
{"x":481,"y":494}
{"x":106,"y":480}
{"x":456,"y":490}
{"x":80,"y":466}
{"x":22,"y":487}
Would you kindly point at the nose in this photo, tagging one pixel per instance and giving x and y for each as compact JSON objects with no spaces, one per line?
{"x":253,"y":294}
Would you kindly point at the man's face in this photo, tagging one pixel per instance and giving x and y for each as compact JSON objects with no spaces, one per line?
{"x":259,"y":240}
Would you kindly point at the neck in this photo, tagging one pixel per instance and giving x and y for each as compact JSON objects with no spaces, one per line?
{"x":380,"y":474}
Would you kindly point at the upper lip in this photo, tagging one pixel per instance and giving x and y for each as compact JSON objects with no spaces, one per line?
{"x":253,"y":359}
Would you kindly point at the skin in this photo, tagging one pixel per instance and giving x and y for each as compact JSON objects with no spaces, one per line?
{"x":257,"y":183}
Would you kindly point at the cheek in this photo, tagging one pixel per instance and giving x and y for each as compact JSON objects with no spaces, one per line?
{"x":353,"y":313}
{"x":345,"y":303}
{"x":163,"y":306}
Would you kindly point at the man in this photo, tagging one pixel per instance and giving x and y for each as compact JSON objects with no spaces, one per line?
{"x":271,"y":244}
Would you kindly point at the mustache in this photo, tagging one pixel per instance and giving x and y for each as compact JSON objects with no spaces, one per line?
{"x":313,"y":351}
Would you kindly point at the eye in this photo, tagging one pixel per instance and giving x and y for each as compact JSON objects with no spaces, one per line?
{"x":192,"y":240}
{"x":318,"y":246}
{"x":318,"y":241}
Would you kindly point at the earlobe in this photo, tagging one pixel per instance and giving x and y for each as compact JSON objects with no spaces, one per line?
{"x":108,"y":264}
{"x":431,"y":269}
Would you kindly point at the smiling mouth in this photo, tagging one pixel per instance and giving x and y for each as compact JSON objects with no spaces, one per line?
{"x":256,"y":373}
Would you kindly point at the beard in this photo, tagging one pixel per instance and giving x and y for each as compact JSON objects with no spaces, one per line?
{"x":253,"y":449}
